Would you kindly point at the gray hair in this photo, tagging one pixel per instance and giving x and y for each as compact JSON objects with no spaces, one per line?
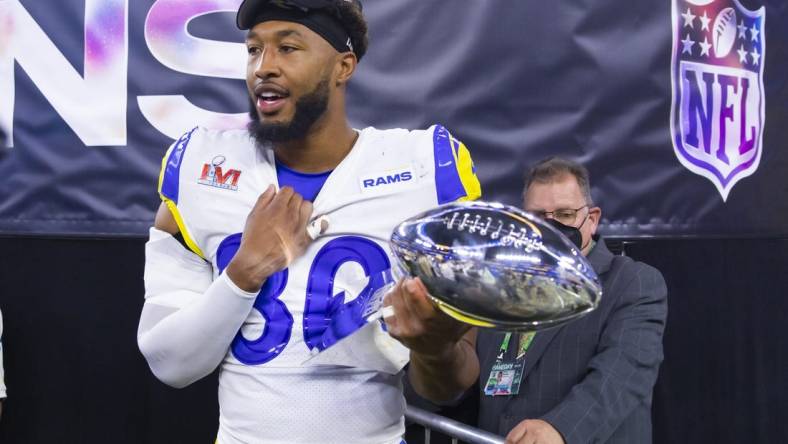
{"x":549,"y":169}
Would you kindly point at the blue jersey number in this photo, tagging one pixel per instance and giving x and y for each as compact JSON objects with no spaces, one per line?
{"x":327,"y":318}
{"x":278,"y":321}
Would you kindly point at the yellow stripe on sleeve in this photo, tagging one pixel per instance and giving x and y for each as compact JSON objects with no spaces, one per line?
{"x":182,"y":227}
{"x":465,"y":170}
{"x":173,"y":207}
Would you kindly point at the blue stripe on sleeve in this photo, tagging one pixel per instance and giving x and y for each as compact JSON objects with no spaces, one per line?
{"x":172,"y":169}
{"x":447,"y":182}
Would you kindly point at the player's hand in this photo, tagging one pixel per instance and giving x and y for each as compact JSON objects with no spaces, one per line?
{"x":417,"y":323}
{"x":274,"y":235}
{"x":534,"y":431}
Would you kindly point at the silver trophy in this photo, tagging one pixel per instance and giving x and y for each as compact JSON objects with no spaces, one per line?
{"x":493,"y":265}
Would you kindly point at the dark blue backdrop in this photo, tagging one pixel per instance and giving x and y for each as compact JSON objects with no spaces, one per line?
{"x":517,"y":81}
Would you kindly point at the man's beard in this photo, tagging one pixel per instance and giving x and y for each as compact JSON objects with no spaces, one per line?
{"x":308,"y":109}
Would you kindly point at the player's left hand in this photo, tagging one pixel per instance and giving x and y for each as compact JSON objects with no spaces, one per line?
{"x":417,"y":323}
{"x":534,"y":431}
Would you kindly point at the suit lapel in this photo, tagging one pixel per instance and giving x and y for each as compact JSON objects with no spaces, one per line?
{"x":600,"y":260}
{"x":537,"y":348}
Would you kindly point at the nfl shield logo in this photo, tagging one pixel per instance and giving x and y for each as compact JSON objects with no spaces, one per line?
{"x":717,"y":113}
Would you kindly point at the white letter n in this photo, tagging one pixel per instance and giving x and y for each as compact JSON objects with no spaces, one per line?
{"x":93,"y":105}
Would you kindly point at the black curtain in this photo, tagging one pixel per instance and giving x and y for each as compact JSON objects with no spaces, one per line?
{"x":725,"y":374}
{"x":75,"y":375}
{"x":73,"y":370}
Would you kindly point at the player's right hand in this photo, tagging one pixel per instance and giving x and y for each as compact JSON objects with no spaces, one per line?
{"x":275,"y":234}
{"x":417,"y":323}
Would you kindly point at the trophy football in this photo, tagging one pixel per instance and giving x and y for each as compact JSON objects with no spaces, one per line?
{"x":496,"y":266}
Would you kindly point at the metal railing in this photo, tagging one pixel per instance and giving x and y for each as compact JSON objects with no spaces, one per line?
{"x":455,"y":429}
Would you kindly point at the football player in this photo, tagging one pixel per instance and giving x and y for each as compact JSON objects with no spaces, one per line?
{"x":263,"y":234}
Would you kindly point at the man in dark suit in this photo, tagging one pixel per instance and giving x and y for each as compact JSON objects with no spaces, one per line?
{"x":588,"y":381}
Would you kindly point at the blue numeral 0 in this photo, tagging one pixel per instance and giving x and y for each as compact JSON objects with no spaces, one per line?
{"x":328,"y":318}
{"x":278,"y":321}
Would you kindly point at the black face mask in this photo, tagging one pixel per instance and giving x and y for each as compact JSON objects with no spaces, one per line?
{"x":572,"y":233}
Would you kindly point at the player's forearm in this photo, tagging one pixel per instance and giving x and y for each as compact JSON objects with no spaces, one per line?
{"x":446,"y":377}
{"x":190,"y":343}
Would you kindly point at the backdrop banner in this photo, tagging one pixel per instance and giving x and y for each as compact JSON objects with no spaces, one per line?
{"x":678,"y":108}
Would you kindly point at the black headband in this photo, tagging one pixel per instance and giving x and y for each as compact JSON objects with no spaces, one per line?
{"x":322,"y":23}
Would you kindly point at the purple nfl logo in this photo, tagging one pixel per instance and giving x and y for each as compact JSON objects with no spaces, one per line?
{"x":717,"y":115}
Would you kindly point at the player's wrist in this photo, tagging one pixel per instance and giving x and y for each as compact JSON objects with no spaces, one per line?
{"x":440,"y":354}
{"x":225,"y":278}
{"x":248,"y":275}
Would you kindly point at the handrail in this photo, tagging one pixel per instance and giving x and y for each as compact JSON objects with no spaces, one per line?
{"x":454,"y":429}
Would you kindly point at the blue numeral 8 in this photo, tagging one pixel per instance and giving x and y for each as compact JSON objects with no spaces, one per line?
{"x":278,"y":321}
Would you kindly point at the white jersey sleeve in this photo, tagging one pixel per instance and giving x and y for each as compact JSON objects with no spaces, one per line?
{"x":187,"y":321}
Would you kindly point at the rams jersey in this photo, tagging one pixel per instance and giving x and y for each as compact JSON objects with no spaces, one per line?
{"x":210,"y":180}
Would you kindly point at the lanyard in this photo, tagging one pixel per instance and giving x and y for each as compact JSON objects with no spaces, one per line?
{"x":524,"y":342}
{"x":505,"y":376}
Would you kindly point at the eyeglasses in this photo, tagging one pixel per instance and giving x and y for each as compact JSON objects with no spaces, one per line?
{"x":566,"y":216}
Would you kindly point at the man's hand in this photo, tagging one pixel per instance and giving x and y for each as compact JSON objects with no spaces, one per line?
{"x":443,"y":361}
{"x":275,"y":234}
{"x":534,"y":431}
{"x":418,"y":323}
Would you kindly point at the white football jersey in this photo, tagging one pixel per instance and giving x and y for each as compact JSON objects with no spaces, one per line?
{"x":210,"y":181}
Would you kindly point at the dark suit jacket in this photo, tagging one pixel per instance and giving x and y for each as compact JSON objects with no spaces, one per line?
{"x":593,"y":378}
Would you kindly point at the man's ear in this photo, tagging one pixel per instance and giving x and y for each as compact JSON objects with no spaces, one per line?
{"x":595,"y":214}
{"x":344,"y":68}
